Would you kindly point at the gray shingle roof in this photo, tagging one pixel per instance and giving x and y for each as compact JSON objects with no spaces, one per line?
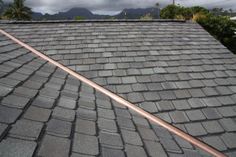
{"x":173,"y":70}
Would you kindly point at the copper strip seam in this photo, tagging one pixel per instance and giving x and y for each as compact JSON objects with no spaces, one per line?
{"x":122,"y":101}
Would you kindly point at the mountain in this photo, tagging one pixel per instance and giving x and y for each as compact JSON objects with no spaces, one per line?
{"x":86,"y":14}
{"x":138,"y":13}
{"x":69,"y":15}
{"x":3,"y":7}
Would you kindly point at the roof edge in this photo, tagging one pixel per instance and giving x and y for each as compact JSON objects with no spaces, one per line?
{"x":88,"y":21}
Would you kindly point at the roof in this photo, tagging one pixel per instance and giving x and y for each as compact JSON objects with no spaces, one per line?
{"x":233,"y":18}
{"x":174,"y":70}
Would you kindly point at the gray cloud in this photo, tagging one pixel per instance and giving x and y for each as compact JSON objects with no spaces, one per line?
{"x":114,"y":6}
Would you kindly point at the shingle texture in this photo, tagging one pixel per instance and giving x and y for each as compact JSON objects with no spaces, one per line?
{"x":173,"y":70}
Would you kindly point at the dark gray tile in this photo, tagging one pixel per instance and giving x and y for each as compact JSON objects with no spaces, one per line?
{"x":229,"y":140}
{"x":86,"y":114}
{"x":54,"y":147}
{"x":125,"y":123}
{"x":170,"y":145}
{"x":66,"y":103}
{"x":151,"y":96}
{"x":155,"y":149}
{"x":147,"y":134}
{"x":110,"y":140}
{"x":26,"y":129}
{"x":15,"y":101}
{"x":3,"y":128}
{"x":25,"y":92}
{"x":212,"y":127}
{"x":106,"y":113}
{"x":167,"y":95}
{"x":135,"y":97}
{"x":9,"y":115}
{"x":49,"y":92}
{"x":196,"y":103}
{"x":85,"y":127}
{"x":211,"y":102}
{"x":17,"y":148}
{"x":181,"y":104}
{"x":130,"y":79}
{"x":43,"y":102}
{"x":4,"y":90}
{"x":195,"y":115}
{"x":140,"y":121}
{"x":63,"y":114}
{"x":164,"y":116}
{"x":149,"y":107}
{"x":195,"y":129}
{"x":210,"y":91}
{"x":135,"y":151}
{"x":165,"y":105}
{"x":131,"y":137}
{"x":59,"y":128}
{"x":196,"y":93}
{"x":107,"y":152}
{"x":178,"y":117}
{"x":228,"y":124}
{"x":106,"y":125}
{"x":225,"y":100}
{"x":227,"y":111}
{"x":122,"y":113}
{"x":181,"y":94}
{"x":215,"y":142}
{"x":37,"y":114}
{"x":211,"y":113}
{"x":85,"y":144}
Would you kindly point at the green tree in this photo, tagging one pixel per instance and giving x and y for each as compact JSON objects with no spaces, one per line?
{"x":170,"y":12}
{"x":79,"y":18}
{"x":198,"y":9}
{"x":18,"y":11}
{"x":176,"y":12}
{"x":222,"y":28}
{"x":146,"y":17}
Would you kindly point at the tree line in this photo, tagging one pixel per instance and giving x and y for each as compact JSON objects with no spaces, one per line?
{"x":221,"y":27}
{"x":16,"y":11}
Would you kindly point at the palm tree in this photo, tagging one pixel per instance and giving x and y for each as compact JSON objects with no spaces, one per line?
{"x":18,"y":11}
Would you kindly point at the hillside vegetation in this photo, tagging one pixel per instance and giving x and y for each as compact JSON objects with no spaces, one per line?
{"x":221,"y":27}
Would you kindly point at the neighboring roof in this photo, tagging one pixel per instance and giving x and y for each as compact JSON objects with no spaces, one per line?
{"x":233,"y":18}
{"x":174,"y":70}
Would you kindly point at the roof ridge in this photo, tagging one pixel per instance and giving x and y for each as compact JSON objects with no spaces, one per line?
{"x":89,"y":21}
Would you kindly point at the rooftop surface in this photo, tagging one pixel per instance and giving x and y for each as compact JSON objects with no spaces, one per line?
{"x":173,"y":70}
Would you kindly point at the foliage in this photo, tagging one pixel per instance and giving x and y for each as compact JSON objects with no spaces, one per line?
{"x":179,"y":12}
{"x":198,"y":9}
{"x":170,"y":12}
{"x":18,"y":11}
{"x":79,"y":18}
{"x":146,"y":17}
{"x":221,"y":27}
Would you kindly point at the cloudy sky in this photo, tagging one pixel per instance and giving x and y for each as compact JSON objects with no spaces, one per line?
{"x":115,"y":6}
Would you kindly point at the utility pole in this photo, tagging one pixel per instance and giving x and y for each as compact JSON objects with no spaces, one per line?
{"x":173,"y":2}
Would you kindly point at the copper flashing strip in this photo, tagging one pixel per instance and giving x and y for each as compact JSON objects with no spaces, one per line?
{"x":122,"y":101}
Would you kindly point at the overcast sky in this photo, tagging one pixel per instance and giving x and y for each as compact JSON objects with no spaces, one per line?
{"x":115,"y":6}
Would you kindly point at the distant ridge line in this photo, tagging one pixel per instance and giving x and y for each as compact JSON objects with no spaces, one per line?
{"x":89,"y":21}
